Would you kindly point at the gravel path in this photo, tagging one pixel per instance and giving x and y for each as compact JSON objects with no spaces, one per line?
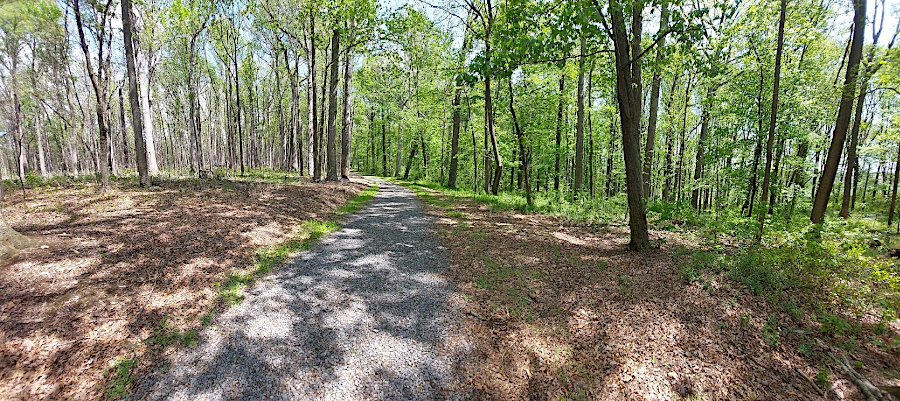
{"x":365,"y":314}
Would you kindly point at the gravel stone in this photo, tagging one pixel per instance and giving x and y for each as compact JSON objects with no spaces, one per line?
{"x":364,"y":315}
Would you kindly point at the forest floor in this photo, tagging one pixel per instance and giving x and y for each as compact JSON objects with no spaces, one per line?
{"x":119,"y":279}
{"x":561,"y":310}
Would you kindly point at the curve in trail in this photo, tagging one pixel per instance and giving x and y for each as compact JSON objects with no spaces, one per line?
{"x":365,"y":314}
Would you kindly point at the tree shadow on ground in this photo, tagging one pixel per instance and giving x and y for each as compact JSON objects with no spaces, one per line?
{"x":365,"y":313}
{"x":113,"y":266}
{"x":562,"y":311}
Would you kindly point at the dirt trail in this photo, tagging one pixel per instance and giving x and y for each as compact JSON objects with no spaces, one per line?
{"x":365,"y":314}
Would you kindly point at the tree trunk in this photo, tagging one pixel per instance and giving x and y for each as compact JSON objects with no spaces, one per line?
{"x":383,"y":143}
{"x":773,"y":119}
{"x":143,"y":71}
{"x":332,"y":108}
{"x":559,"y":127}
{"x":851,"y":148}
{"x":649,"y":148}
{"x":137,"y":122}
{"x":701,"y":146}
{"x":97,"y":82}
{"x":628,"y":94}
{"x":345,"y":120}
{"x":843,"y":120}
{"x":520,"y":136}
{"x":579,"y":125}
{"x":894,"y":189}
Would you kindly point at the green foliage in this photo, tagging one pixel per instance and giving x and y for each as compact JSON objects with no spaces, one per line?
{"x":120,"y":372}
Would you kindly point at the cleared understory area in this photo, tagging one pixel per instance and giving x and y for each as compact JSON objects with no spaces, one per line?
{"x":119,"y":279}
{"x":561,"y":310}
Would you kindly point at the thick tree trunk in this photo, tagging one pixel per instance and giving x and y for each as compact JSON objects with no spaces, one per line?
{"x":454,"y":137}
{"x":628,"y":94}
{"x":773,"y":119}
{"x":826,"y":183}
{"x":137,"y":122}
{"x":332,"y":109}
{"x":143,"y":71}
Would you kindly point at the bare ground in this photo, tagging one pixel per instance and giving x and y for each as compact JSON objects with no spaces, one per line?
{"x":565,"y":312}
{"x":109,"y":269}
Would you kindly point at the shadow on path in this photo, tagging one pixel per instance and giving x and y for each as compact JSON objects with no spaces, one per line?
{"x":365,"y":314}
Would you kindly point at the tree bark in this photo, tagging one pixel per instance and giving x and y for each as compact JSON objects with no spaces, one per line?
{"x":826,"y":183}
{"x":520,"y":136}
{"x":579,"y":125}
{"x":137,"y":123}
{"x":628,"y":94}
{"x":701,"y":146}
{"x":894,"y":189}
{"x":649,"y":148}
{"x":559,"y":127}
{"x":773,"y":119}
{"x":345,"y":120}
{"x":332,"y":108}
{"x":98,"y":83}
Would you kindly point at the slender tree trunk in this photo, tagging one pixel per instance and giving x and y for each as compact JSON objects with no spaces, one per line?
{"x":591,"y":167}
{"x":559,"y":127}
{"x":383,"y":143}
{"x":670,"y":144}
{"x":579,"y":125}
{"x":701,"y":146}
{"x":773,"y":119}
{"x":18,"y":132}
{"x":346,"y":122}
{"x":851,"y":148}
{"x":826,"y":183}
{"x":520,"y":136}
{"x":237,"y":111}
{"x":894,"y":189}
{"x":97,"y":81}
{"x":332,"y":108}
{"x":649,"y":148}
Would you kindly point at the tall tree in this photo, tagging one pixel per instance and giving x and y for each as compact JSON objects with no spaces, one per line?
{"x":826,"y":183}
{"x":773,"y":119}
{"x":137,"y":122}
{"x":99,"y":80}
{"x":649,"y":148}
{"x":332,"y":107}
{"x":628,"y":95}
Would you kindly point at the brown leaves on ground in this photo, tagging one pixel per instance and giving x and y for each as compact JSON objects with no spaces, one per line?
{"x":566,"y":312}
{"x":109,"y":268}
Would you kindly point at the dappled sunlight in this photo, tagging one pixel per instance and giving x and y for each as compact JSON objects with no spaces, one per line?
{"x":111,"y":271}
{"x":345,"y":318}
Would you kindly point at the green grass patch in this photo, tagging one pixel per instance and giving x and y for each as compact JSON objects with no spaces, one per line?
{"x":267,"y":258}
{"x":455,"y":214}
{"x":119,"y":374}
